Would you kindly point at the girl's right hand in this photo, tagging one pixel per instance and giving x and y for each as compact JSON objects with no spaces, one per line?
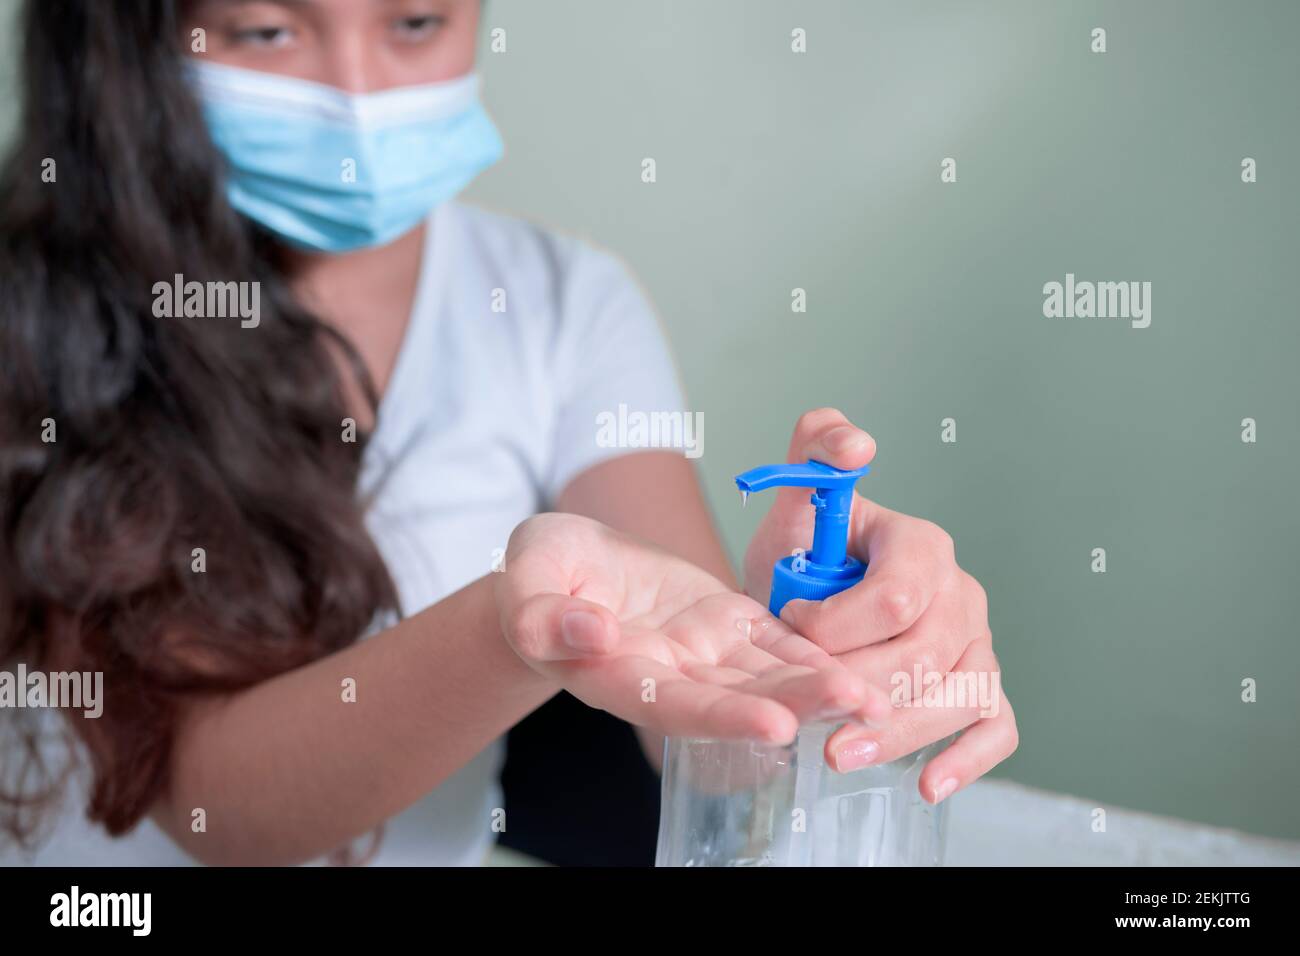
{"x":662,"y":644}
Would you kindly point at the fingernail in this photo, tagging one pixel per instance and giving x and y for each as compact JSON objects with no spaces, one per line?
{"x":945,"y":790}
{"x":582,"y":630}
{"x":855,"y":755}
{"x":844,"y":438}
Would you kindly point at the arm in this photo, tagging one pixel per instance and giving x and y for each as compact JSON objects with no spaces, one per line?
{"x":654,"y":495}
{"x":287,"y":771}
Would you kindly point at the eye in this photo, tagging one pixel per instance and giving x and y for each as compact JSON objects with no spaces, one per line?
{"x":417,"y":28}
{"x":270,"y":37}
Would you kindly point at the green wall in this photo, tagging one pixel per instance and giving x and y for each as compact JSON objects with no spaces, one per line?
{"x":8,"y":68}
{"x":820,"y":170}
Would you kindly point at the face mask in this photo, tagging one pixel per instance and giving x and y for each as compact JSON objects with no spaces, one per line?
{"x":333,"y":171}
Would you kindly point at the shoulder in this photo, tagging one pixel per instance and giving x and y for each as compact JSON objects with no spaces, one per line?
{"x":512,"y":251}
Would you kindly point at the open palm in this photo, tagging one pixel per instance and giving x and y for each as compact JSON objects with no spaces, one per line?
{"x":655,"y":640}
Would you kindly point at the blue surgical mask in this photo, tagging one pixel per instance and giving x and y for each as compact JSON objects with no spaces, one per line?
{"x":334,"y":171}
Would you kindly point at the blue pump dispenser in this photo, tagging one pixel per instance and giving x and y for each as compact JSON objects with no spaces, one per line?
{"x":729,"y":803}
{"x":827,"y":569}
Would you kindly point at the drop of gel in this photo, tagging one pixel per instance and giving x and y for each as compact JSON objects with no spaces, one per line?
{"x":744,"y":498}
{"x":745,"y":626}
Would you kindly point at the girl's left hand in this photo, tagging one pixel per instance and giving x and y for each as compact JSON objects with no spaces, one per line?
{"x":915,"y":613}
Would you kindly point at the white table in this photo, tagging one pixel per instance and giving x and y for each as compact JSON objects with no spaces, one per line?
{"x":999,"y":823}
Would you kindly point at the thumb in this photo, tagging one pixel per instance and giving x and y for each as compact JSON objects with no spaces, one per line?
{"x":806,"y":618}
{"x":828,"y":436}
{"x":558,"y":627}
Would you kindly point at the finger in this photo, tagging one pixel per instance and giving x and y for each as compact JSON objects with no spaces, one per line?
{"x":759,"y":646}
{"x":826,"y":435}
{"x":979,"y":749}
{"x":652,"y":694}
{"x":809,"y":694}
{"x":782,"y":642}
{"x":723,"y":624}
{"x":853,"y":747}
{"x":871,"y":611}
{"x":872,"y":702}
{"x":927,"y":650}
{"x":779,"y":640}
{"x":911,"y":560}
{"x":971,"y":691}
{"x":754,"y":661}
{"x":557,"y":627}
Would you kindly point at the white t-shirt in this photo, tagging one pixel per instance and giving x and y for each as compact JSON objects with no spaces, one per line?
{"x":518,"y":340}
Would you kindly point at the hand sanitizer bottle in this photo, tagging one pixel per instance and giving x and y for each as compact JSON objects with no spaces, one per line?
{"x":729,"y":803}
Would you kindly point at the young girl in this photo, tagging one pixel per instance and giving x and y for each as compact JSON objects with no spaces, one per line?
{"x":211,"y":508}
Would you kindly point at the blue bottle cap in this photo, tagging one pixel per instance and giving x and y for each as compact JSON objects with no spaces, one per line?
{"x":827,"y":568}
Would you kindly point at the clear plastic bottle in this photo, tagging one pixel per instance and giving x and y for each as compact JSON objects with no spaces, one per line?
{"x":752,"y":804}
{"x":731,"y":803}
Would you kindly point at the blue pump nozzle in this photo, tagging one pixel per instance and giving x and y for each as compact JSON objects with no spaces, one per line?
{"x":827,"y":569}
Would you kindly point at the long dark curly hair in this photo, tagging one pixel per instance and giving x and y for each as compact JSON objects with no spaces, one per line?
{"x":128,"y":441}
